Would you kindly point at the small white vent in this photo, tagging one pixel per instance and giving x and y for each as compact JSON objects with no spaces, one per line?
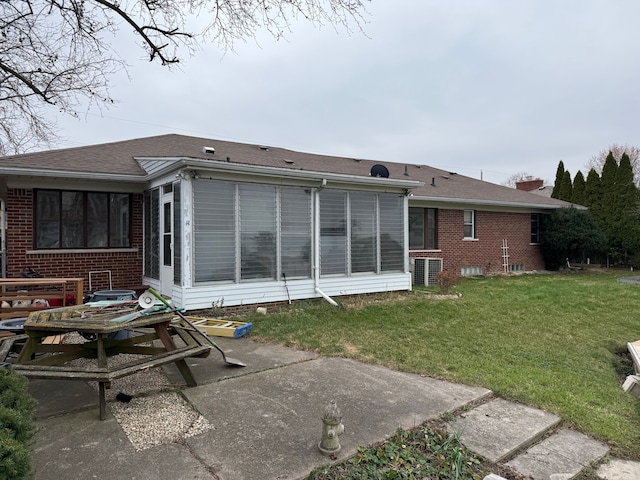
{"x":471,"y":271}
{"x":425,"y":271}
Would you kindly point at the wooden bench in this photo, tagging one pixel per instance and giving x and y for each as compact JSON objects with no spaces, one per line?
{"x":53,"y":290}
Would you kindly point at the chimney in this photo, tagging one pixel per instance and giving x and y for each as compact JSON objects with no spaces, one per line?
{"x":528,"y":185}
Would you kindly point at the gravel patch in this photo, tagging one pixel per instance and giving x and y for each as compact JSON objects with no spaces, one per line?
{"x":153,"y":416}
{"x":158,"y":419}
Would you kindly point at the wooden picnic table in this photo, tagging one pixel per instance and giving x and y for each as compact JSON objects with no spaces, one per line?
{"x":39,"y":358}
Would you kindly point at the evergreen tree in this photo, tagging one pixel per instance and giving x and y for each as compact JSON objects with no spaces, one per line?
{"x":593,"y":193}
{"x":628,"y":197}
{"x":565,"y":191}
{"x":609,"y":212}
{"x":617,"y":210}
{"x":578,"y":194}
{"x":558,"y":182}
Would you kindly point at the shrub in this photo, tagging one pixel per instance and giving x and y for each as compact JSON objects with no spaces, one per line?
{"x":446,"y":281}
{"x":572,"y":234}
{"x":16,"y":425}
{"x":423,"y":453}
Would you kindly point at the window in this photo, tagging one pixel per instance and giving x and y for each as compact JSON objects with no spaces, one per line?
{"x":471,"y":271}
{"x":257,"y":231}
{"x":469,"y":224}
{"x":333,"y":232}
{"x":214,"y":215}
{"x":152,"y":234}
{"x":251,"y":232}
{"x":391,"y":233}
{"x":295,"y":236}
{"x":535,"y":228}
{"x":72,"y":219}
{"x":423,"y":228}
{"x":364,"y":234}
{"x":361,"y":232}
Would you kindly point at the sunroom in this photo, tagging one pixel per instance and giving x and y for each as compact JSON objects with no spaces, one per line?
{"x":228,"y":234}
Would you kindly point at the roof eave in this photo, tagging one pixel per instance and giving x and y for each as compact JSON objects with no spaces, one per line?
{"x":451,"y":201}
{"x":181,"y":163}
{"x":48,"y":173}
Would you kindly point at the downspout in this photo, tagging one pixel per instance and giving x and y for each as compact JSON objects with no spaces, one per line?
{"x":316,"y":246}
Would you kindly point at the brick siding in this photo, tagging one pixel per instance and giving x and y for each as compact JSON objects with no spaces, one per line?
{"x":486,"y":249}
{"x":125,"y":267}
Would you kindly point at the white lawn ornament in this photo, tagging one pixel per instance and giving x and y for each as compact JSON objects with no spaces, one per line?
{"x":21,"y":303}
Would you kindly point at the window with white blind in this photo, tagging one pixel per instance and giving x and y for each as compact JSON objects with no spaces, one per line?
{"x":250,"y":232}
{"x":257,"y":231}
{"x":364,"y":232}
{"x":333,"y":232}
{"x":295,"y":234}
{"x":391,"y":232}
{"x":361,"y":232}
{"x":214,"y":216}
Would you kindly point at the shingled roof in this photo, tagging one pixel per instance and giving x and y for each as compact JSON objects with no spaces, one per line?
{"x":120,"y":158}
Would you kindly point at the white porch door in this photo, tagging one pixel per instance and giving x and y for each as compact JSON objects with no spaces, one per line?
{"x":166,"y":265}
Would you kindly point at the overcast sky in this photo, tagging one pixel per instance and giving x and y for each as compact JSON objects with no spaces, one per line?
{"x":485,"y":88}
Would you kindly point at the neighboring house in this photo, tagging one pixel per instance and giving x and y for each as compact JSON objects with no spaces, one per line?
{"x":536,"y":186}
{"x":214,"y":222}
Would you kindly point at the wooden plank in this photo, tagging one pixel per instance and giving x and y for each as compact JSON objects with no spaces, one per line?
{"x":7,"y":345}
{"x":190,"y":337}
{"x":92,"y":373}
{"x":634,"y":350}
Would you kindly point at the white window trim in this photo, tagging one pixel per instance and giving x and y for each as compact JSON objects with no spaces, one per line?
{"x":473,"y":225}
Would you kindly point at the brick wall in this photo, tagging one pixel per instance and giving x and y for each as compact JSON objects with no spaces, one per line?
{"x":125,"y":267}
{"x":486,"y":250}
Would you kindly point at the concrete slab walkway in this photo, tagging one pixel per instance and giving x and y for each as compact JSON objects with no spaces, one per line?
{"x":499,"y":428}
{"x":265,"y":420}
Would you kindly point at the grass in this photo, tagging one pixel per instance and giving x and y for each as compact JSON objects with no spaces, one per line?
{"x":556,"y":342}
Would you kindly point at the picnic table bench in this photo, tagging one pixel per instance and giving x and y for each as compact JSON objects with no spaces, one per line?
{"x":38,"y":358}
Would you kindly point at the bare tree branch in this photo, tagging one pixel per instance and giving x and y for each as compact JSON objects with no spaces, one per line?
{"x":597,"y":161}
{"x":57,"y":53}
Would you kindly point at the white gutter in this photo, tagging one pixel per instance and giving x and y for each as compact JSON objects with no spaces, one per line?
{"x":316,"y":246}
{"x":75,"y":175}
{"x":277,"y":172}
{"x":492,"y":203}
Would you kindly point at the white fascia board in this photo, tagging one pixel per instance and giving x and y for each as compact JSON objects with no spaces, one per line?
{"x":73,"y":183}
{"x":337,"y":179}
{"x":457,"y":203}
{"x":29,"y":172}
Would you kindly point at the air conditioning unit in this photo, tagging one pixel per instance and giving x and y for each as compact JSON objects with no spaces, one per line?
{"x":425,"y":270}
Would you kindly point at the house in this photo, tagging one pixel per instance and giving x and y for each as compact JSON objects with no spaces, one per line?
{"x":210,"y":222}
{"x":535,"y":185}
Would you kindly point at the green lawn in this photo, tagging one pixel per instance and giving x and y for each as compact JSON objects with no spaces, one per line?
{"x":556,"y":342}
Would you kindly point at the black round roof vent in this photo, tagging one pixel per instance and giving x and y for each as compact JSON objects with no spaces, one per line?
{"x":379,"y":171}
